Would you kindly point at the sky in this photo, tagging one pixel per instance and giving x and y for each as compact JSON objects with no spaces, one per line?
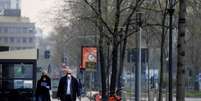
{"x":36,"y":10}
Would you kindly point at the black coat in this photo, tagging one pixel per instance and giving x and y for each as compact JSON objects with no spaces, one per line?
{"x":42,"y":89}
{"x":61,"y":93}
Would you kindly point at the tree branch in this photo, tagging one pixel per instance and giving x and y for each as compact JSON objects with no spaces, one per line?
{"x":99,"y":15}
{"x":117,"y":16}
{"x":132,"y":12}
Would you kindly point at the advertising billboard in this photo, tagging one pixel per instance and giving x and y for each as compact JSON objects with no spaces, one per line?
{"x":89,"y":58}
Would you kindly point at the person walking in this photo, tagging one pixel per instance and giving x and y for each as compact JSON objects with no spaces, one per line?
{"x":68,"y":89}
{"x":43,"y":88}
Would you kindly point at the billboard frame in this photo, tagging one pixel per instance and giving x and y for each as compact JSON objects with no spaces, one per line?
{"x":82,"y":53}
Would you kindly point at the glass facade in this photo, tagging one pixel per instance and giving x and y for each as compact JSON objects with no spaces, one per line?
{"x":17,"y":80}
{"x":18,"y":34}
{"x":10,"y":4}
{"x":17,"y":40}
{"x":4,"y":4}
{"x":16,"y":76}
{"x":18,"y":30}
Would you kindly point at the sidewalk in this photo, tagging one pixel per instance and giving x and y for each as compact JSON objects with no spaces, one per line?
{"x":82,"y":99}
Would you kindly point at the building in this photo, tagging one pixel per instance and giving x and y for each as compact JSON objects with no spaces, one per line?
{"x":17,"y":33}
{"x":10,"y":7}
{"x":17,"y":75}
{"x":10,"y":4}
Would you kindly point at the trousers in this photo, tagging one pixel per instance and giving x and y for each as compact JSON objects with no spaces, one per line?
{"x":67,"y":98}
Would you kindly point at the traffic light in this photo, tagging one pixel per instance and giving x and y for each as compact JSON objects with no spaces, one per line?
{"x":47,"y":54}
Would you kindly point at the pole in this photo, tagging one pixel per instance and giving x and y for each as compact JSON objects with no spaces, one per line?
{"x":171,"y":11}
{"x":138,"y":68}
{"x":91,"y":85}
{"x":130,"y":83}
{"x":148,"y":82}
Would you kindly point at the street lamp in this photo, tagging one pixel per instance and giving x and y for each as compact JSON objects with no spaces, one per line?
{"x":138,"y":67}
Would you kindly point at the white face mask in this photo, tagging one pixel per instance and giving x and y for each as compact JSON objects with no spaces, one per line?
{"x":69,"y":75}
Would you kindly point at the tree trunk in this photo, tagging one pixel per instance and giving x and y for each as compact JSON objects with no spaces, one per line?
{"x":115,"y":49}
{"x":101,"y":52}
{"x":181,"y":51}
{"x":161,"y":83}
{"x":121,"y":63}
{"x":102,"y":65}
{"x":114,"y":66}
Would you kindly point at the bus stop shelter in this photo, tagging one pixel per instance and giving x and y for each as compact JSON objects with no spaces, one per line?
{"x":18,"y":75}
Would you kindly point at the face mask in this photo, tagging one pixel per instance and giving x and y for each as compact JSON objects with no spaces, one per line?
{"x":44,"y":78}
{"x":69,"y":75}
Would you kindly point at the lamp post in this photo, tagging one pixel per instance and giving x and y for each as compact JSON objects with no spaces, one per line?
{"x":138,"y":66}
{"x":171,"y":12}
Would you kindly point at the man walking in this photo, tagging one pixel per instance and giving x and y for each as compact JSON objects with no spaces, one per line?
{"x":68,"y":88}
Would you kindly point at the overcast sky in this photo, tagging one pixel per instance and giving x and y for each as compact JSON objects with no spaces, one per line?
{"x":34,"y":9}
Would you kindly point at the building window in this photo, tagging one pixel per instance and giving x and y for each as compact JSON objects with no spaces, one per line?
{"x":15,"y":76}
{"x":6,"y":39}
{"x":17,"y":5}
{"x":24,"y":29}
{"x":24,"y":40}
{"x":5,"y":30}
{"x":12,"y":39}
{"x":30,"y":30}
{"x":18,"y":40}
{"x":30,"y":40}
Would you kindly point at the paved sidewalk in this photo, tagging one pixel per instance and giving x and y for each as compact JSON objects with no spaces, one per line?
{"x":82,"y":99}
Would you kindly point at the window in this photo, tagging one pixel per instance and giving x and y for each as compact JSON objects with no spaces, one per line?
{"x":17,"y":5}
{"x":30,"y":40}
{"x":22,"y":71}
{"x":30,"y":30}
{"x":1,"y":29}
{"x":12,"y":39}
{"x":24,"y":29}
{"x":24,"y":40}
{"x":5,"y":29}
{"x":18,"y":40}
{"x":23,"y":84}
{"x":14,"y":76}
{"x":6,"y":39}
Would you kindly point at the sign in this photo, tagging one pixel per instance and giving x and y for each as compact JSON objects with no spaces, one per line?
{"x":89,"y":58}
{"x":90,"y":65}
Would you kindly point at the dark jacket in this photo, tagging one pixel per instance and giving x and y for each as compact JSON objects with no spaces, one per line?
{"x":61,"y":93}
{"x":43,"y":87}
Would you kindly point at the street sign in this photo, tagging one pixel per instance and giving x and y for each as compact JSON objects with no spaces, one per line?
{"x":90,"y":66}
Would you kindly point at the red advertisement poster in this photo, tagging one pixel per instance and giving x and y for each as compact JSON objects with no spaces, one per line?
{"x":89,"y":57}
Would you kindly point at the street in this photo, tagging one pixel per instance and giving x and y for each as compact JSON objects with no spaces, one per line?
{"x":142,"y":50}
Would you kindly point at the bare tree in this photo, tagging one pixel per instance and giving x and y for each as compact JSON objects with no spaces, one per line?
{"x":181,"y":71}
